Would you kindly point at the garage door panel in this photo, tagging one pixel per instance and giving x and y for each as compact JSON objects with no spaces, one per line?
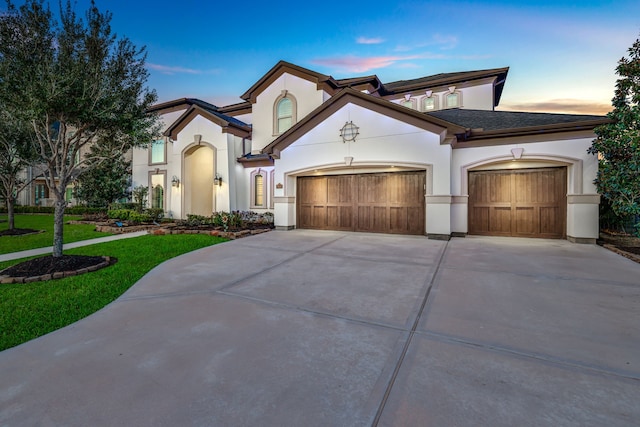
{"x":379,"y":202}
{"x":550,"y":219}
{"x":479,"y":219}
{"x":318,"y":217}
{"x":526,"y":202}
{"x":339,"y":217}
{"x":526,"y":222}
{"x":372,"y":188}
{"x":500,"y":220}
{"x":339,"y":189}
{"x":313,"y":190}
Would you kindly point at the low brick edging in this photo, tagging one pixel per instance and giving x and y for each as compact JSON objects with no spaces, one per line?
{"x":226,"y":234}
{"x":7,"y":280}
{"x":121,"y":230}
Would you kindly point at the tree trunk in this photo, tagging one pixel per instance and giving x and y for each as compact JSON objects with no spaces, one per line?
{"x":58,"y":224}
{"x":10,"y":214}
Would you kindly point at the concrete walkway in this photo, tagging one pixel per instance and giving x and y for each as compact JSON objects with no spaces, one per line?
{"x":307,"y":328}
{"x":48,"y":250}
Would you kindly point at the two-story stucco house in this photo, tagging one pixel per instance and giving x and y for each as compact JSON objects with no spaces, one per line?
{"x":428,"y":156}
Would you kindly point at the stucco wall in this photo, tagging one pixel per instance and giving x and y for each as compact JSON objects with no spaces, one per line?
{"x":582,"y":210}
{"x":307,"y":96}
{"x":383,"y":144}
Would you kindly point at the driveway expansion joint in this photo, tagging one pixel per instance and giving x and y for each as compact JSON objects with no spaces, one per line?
{"x":407,"y":342}
{"x":546,"y":358}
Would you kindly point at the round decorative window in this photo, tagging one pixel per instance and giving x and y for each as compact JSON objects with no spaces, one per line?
{"x":349,"y":132}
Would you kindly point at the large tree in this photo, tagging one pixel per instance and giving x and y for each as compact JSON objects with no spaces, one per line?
{"x":76,"y":84}
{"x":618,"y":142}
{"x":105,"y":182}
{"x":17,"y":152}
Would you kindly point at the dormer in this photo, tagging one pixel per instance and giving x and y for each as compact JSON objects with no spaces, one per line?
{"x":479,"y":90}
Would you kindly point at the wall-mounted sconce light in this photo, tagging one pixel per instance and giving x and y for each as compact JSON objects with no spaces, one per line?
{"x":175,"y":182}
{"x":217,"y":180}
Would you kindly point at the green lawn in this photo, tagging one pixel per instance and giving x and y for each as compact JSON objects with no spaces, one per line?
{"x":30,"y":310}
{"x":72,"y":233}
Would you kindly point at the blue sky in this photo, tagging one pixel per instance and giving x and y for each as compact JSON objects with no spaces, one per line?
{"x":562,"y":54}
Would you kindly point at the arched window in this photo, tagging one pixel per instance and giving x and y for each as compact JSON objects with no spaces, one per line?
{"x":157,"y":198}
{"x":453,"y":99}
{"x":430,"y":103}
{"x":284,"y":114}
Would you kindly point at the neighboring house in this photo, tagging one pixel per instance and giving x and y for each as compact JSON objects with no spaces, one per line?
{"x":428,"y":156}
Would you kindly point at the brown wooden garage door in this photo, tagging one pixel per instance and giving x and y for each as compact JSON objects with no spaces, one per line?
{"x":376,"y":202}
{"x":521,"y":203}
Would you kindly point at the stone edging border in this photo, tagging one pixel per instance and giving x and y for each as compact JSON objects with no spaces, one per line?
{"x":5,"y":280}
{"x":227,"y":234}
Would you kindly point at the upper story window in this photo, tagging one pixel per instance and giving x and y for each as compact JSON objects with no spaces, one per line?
{"x":284,"y":115}
{"x":453,"y":99}
{"x":408,"y":102}
{"x":158,"y":152}
{"x":430,"y":103}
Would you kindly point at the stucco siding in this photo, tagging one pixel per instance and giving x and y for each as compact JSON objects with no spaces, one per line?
{"x":307,"y":96}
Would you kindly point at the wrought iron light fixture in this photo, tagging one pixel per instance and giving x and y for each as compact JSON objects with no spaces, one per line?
{"x":217,"y":180}
{"x":349,"y":132}
{"x":175,"y":181}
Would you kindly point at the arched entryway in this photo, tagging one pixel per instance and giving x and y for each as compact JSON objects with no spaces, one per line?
{"x":198,"y":173}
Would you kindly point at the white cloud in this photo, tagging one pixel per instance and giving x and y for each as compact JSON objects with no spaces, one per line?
{"x":171,"y":70}
{"x":369,"y":40}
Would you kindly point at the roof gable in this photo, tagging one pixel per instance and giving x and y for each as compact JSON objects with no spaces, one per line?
{"x":227,"y":123}
{"x":282,"y":67}
{"x":351,"y":96}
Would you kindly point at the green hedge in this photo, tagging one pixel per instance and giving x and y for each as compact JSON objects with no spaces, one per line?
{"x":72,"y":210}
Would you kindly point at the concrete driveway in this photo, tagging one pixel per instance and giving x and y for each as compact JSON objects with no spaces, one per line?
{"x":307,"y":328}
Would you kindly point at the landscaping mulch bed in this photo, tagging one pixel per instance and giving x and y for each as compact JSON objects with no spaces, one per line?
{"x":19,"y":232}
{"x":49,"y":267}
{"x":622,"y":244}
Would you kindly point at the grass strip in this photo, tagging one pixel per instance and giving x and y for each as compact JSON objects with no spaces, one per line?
{"x":30,"y":310}
{"x":72,"y":233}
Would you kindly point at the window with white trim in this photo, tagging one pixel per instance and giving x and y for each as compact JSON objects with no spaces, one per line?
{"x":284,"y":113}
{"x":430,"y":103}
{"x":409,"y":103}
{"x":157,"y":184}
{"x":258,"y":189}
{"x":453,"y":99}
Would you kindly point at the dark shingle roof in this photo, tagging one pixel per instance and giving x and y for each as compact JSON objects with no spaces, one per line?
{"x":443,"y":78}
{"x":498,"y":120}
{"x":214,"y":110}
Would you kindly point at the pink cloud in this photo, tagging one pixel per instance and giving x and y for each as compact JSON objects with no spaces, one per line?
{"x":359,"y":65}
{"x":565,"y":106}
{"x":369,"y":40}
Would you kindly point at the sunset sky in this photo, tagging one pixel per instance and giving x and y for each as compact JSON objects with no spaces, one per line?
{"x":562,"y":54}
